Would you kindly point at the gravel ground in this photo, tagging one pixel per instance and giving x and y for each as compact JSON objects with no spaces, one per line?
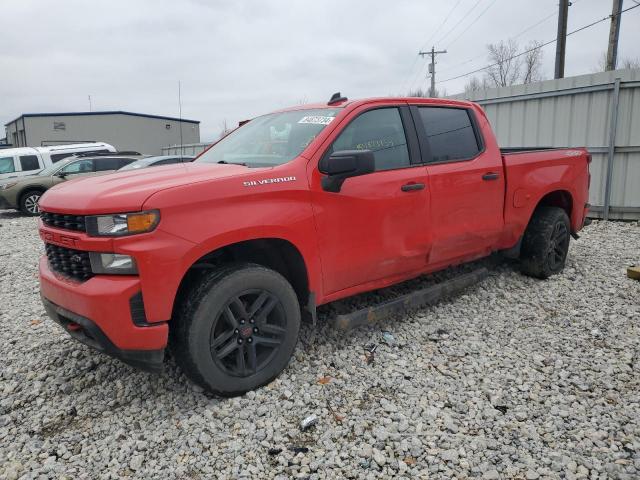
{"x":517,"y":378}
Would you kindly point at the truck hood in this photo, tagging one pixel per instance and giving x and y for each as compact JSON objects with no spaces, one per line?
{"x":127,"y":191}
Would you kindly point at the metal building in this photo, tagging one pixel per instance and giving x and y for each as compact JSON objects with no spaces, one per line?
{"x":124,"y":130}
{"x":600,"y":111}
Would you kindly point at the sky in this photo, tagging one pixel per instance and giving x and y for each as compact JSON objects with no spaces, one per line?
{"x":236,"y":59}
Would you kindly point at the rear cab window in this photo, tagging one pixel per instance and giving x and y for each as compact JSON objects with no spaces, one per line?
{"x":29,"y":162}
{"x":450,"y":133}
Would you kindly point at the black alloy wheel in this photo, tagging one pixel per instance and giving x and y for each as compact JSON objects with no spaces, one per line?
{"x":545,"y":243}
{"x":235,"y":328}
{"x":248,"y":332}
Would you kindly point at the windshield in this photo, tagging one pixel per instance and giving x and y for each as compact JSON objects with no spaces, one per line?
{"x":270,"y":140}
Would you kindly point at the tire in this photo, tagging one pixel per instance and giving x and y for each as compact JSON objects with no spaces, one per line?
{"x":29,"y":202}
{"x":545,"y":243}
{"x":236,"y":329}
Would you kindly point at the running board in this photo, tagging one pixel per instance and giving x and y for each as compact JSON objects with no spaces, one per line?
{"x":410,"y":301}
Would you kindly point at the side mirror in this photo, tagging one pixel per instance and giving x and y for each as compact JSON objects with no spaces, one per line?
{"x":345,"y":164}
{"x":61,"y":175}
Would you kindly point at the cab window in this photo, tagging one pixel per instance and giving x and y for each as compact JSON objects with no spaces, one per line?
{"x":29,"y":162}
{"x":450,"y":133}
{"x":6,"y":165}
{"x":380,"y":131}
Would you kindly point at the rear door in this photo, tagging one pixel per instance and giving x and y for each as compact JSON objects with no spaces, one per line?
{"x":466,"y":182}
{"x":375,"y":227}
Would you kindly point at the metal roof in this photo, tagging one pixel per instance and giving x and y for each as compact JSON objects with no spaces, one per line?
{"x":114,"y":112}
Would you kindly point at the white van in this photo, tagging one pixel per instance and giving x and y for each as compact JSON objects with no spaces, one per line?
{"x":18,"y":162}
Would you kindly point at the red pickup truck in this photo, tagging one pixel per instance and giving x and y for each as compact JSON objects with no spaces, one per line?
{"x":220,"y":258}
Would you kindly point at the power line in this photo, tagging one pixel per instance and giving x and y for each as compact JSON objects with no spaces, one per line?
{"x":460,"y":21}
{"x":529,"y":28}
{"x":413,"y":65}
{"x":471,"y":24}
{"x":441,"y":25}
{"x":539,"y":46}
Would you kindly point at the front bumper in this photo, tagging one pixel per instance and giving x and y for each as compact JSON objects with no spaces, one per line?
{"x":87,"y":332}
{"x":98,"y":312}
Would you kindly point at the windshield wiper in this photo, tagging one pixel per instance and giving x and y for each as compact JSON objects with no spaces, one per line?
{"x":244,"y":164}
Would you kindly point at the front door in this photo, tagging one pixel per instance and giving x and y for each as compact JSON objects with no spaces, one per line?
{"x":375,"y":227}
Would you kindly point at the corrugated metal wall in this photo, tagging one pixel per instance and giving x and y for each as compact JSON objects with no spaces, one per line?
{"x":577,"y":112}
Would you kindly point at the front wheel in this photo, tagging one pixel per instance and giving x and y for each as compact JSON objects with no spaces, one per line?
{"x":29,"y":202}
{"x":545,"y":243}
{"x":237,"y":329}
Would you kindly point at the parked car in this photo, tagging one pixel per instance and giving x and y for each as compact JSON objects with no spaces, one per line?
{"x":18,"y":162}
{"x":293,"y":210}
{"x":158,"y":161}
{"x":24,"y":193}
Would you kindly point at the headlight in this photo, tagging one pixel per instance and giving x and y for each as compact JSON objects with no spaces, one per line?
{"x":121,"y":224}
{"x":6,"y":186}
{"x":112,"y":263}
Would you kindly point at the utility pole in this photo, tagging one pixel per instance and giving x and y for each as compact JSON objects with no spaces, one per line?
{"x":561,"y":41}
{"x":432,"y":68}
{"x":614,"y":34}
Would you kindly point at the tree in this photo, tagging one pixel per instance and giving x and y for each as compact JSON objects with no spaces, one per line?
{"x":532,"y":62}
{"x":622,"y":63}
{"x":475,"y":84}
{"x":419,"y":92}
{"x":508,"y":67}
{"x":505,"y":69}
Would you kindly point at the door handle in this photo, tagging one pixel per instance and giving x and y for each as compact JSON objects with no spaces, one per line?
{"x":490,"y":176}
{"x":409,"y":187}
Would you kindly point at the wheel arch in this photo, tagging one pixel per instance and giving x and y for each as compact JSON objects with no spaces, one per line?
{"x":30,"y":188}
{"x":558,"y":197}
{"x":275,"y":253}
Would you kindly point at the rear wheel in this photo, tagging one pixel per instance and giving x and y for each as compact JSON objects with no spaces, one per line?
{"x":545,"y":243}
{"x":29,"y":202}
{"x":237,"y":329}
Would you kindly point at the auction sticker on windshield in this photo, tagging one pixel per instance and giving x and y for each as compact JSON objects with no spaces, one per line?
{"x":316,"y":120}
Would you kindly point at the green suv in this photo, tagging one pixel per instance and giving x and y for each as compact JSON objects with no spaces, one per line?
{"x":23,"y":193}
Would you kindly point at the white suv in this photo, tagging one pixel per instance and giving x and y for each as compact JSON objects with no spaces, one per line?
{"x":17,"y":162}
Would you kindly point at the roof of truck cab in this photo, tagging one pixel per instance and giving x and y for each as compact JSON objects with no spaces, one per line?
{"x":364,"y":101}
{"x":10,"y":152}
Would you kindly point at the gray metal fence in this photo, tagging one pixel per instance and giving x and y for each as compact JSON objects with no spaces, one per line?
{"x":600,"y":111}
{"x":186,"y":149}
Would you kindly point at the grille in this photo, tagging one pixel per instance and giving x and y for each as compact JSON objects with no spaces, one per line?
{"x":69,"y":262}
{"x":68,"y":222}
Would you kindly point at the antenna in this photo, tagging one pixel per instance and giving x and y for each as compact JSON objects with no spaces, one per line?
{"x":180,"y":115}
{"x":89,"y":102}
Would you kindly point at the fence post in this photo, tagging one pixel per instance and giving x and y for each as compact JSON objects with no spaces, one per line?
{"x":613,"y":126}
